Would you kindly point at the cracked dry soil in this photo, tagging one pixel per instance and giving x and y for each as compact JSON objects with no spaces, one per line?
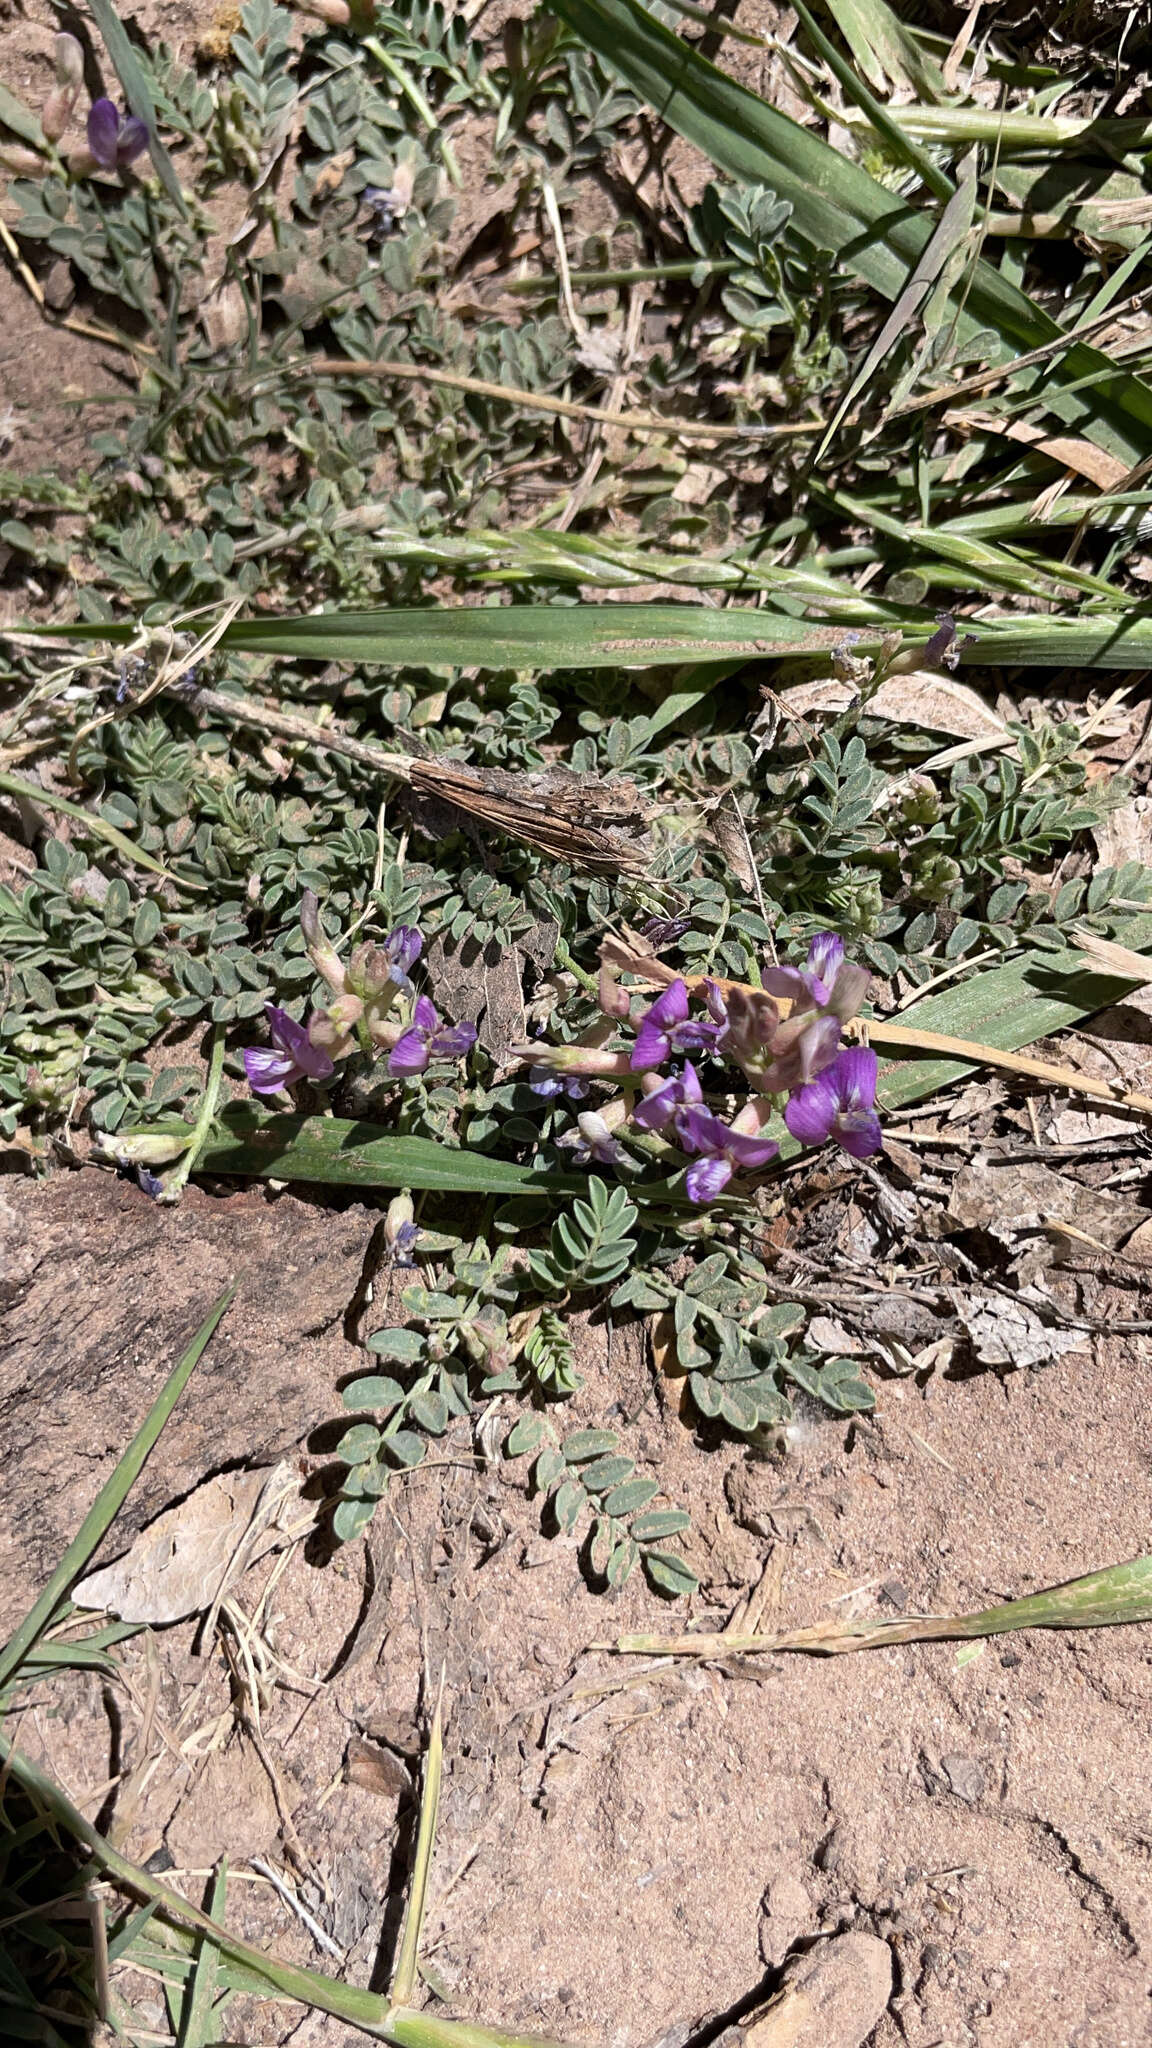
{"x":612,"y":1863}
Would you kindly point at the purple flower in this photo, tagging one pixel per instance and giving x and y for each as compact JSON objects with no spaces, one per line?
{"x":653,"y":1112}
{"x":592,"y":1139}
{"x":721,"y":1151}
{"x":426,"y":1039}
{"x":290,"y":1057}
{"x":115,"y":138}
{"x":666,"y":1028}
{"x":664,"y":931}
{"x":826,"y":982}
{"x":544,"y":1081}
{"x":402,"y":949}
{"x":840,"y":1104}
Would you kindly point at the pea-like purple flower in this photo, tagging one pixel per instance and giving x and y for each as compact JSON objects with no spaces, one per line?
{"x":827,"y":981}
{"x":666,"y":1028}
{"x":592,"y":1138}
{"x":115,"y":138}
{"x":678,"y":1107}
{"x":426,"y":1039}
{"x":840,"y":1104}
{"x":546,"y":1082}
{"x":290,"y":1057}
{"x":402,"y":949}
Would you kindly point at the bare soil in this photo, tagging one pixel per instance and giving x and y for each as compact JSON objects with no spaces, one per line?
{"x":622,"y":1848}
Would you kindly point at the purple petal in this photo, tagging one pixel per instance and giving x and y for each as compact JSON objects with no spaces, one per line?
{"x":285,"y":1032}
{"x":697,"y":1130}
{"x":599,"y":1140}
{"x":816,"y":1046}
{"x":717,"y":1007}
{"x":689,"y":1084}
{"x":653,"y":1111}
{"x":404,"y":947}
{"x":453,"y":1044}
{"x":671,"y":1007}
{"x":410,"y":1053}
{"x":268,"y":1070}
{"x":825,"y":957}
{"x":132,"y":140}
{"x":849,"y":991}
{"x":425,"y":1017}
{"x":812,"y":1111}
{"x":858,"y":1132}
{"x":651,"y":1049}
{"x":749,"y":1152}
{"x":707,"y":1178}
{"x":103,"y":132}
{"x":788,"y":983}
{"x":855,"y":1073}
{"x":542,"y":1081}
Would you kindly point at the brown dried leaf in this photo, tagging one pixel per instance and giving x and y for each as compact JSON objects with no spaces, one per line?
{"x":921,"y":698}
{"x":1100,"y":468}
{"x":1109,"y":958}
{"x":185,"y":1560}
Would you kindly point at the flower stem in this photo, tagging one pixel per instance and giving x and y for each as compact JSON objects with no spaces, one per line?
{"x":175,"y":1184}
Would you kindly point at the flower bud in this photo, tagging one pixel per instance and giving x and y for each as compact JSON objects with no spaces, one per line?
{"x":400,"y":1217}
{"x":150,"y":1148}
{"x":323,"y":956}
{"x":336,"y":13}
{"x":331,"y":1030}
{"x":69,"y":62}
{"x":21,"y":163}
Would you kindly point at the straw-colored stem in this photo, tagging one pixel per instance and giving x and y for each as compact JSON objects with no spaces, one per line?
{"x":905,"y":1037}
{"x":1120,"y":1593}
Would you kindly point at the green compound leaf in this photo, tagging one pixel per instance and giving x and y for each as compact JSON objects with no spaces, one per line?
{"x":669,"y":1574}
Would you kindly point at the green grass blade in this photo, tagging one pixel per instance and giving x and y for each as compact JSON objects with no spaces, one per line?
{"x":838,"y":206}
{"x":902,"y":147}
{"x":515,"y":636}
{"x":885,"y":50}
{"x":404,"y":1979}
{"x":346,"y":2002}
{"x":198,"y":2019}
{"x":341,"y":1152}
{"x":18,"y":785}
{"x":110,"y":1499}
{"x":137,"y":92}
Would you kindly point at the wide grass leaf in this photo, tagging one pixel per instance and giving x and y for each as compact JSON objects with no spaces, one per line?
{"x":342,"y":1152}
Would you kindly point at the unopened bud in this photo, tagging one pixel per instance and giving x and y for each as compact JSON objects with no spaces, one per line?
{"x":324,"y":958}
{"x":400,"y":1217}
{"x":336,"y":13}
{"x":151,"y":1148}
{"x":69,"y":62}
{"x":21,"y":163}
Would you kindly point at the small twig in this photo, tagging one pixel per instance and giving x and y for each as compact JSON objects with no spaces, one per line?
{"x":538,"y":401}
{"x":292,"y":1899}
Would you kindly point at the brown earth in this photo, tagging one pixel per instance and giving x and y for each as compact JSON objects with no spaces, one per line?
{"x":638,"y":1852}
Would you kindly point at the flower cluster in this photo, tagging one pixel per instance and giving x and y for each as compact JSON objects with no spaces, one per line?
{"x":365,"y":993}
{"x":784,"y":1036}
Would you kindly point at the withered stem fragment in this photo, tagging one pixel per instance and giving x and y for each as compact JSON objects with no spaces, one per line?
{"x":597,"y":828}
